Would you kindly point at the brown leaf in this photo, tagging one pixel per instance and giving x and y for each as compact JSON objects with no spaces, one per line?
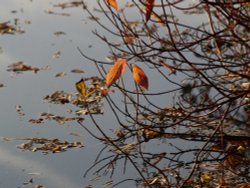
{"x":149,"y":8}
{"x":140,"y":77}
{"x":113,"y":4}
{"x":116,"y":71}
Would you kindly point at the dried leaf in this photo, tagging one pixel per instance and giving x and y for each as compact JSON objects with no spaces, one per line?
{"x":60,"y":74}
{"x":20,"y":66}
{"x":77,"y":71}
{"x":158,"y":19}
{"x":116,"y":71}
{"x":6,"y":28}
{"x":81,"y":87}
{"x":56,"y":55}
{"x":113,"y":4}
{"x":128,"y":39}
{"x":167,"y":66}
{"x":149,"y":8}
{"x":107,"y":183}
{"x":140,"y":77}
{"x":48,"y":145}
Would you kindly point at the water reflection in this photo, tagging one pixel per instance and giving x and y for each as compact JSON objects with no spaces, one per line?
{"x":35,"y":168}
{"x":36,"y":47}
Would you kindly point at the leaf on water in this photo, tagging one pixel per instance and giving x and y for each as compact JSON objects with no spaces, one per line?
{"x":59,"y":119}
{"x":116,"y":71}
{"x":2,"y":85}
{"x":19,"y":110}
{"x":113,"y":4}
{"x":59,"y":33}
{"x":20,"y":67}
{"x":107,"y":183}
{"x":88,"y":186}
{"x":61,"y":74}
{"x":79,"y":71}
{"x":69,"y":4}
{"x":75,"y":134}
{"x":91,"y":103}
{"x":55,"y":13}
{"x":140,"y":77}
{"x":56,"y":55}
{"x":149,"y":8}
{"x":58,"y":97}
{"x":205,"y":178}
{"x":6,"y":28}
{"x":47,"y":145}
{"x":36,"y":121}
{"x":95,"y":178}
{"x":81,"y":87}
{"x":30,"y":181}
{"x":38,"y":186}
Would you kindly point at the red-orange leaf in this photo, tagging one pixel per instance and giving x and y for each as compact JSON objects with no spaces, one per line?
{"x":140,"y":77}
{"x":116,"y":71}
{"x":113,"y":4}
{"x":149,"y":8}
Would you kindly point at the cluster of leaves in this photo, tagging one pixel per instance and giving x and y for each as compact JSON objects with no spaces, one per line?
{"x":210,"y":110}
{"x":87,"y":101}
{"x":8,"y":28}
{"x":116,"y":71}
{"x":48,"y":145}
{"x":20,"y":67}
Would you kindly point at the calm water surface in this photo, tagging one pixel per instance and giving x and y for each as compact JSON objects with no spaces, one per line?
{"x":36,"y":47}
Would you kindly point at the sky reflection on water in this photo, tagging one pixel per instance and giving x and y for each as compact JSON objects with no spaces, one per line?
{"x":36,"y":47}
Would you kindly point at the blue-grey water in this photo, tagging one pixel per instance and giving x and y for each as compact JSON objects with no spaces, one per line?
{"x":36,"y":47}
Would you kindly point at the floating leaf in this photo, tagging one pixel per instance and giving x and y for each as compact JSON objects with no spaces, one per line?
{"x":58,"y":33}
{"x":107,"y":183}
{"x":60,"y":74}
{"x":78,"y":71}
{"x":149,"y":8}
{"x":20,"y":67}
{"x":81,"y":87}
{"x":116,"y":71}
{"x":113,"y":4}
{"x":48,"y":145}
{"x":56,"y":55}
{"x":140,"y":77}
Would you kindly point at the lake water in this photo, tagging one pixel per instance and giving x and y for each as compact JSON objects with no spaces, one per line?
{"x":36,"y":47}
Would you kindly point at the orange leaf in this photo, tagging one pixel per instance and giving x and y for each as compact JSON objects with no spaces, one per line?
{"x":149,"y":8}
{"x":113,"y":4}
{"x":128,"y":39}
{"x":167,"y":66}
{"x":140,"y":77}
{"x":104,"y":92}
{"x":116,"y":71}
{"x":158,"y":19}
